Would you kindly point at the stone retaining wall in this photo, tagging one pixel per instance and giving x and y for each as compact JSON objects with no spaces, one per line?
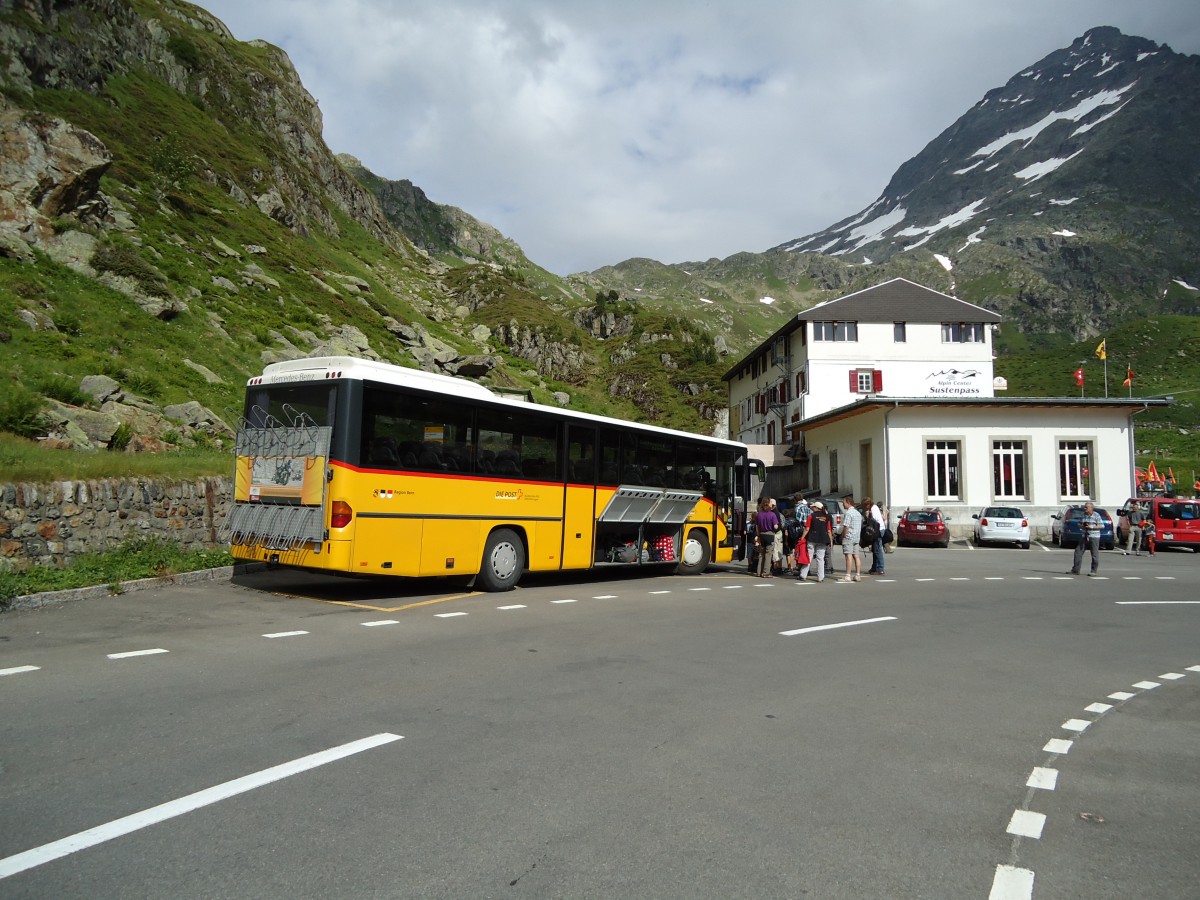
{"x":53,"y":524}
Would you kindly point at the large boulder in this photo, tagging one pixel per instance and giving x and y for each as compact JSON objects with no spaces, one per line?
{"x":48,"y":168}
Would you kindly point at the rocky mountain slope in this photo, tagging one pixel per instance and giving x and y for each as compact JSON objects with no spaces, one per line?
{"x":171,"y":220}
{"x":1066,"y":199}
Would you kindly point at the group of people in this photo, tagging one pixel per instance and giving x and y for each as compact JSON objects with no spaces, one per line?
{"x":802,"y":542}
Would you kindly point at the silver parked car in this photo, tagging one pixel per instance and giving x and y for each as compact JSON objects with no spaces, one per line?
{"x":1001,"y":525}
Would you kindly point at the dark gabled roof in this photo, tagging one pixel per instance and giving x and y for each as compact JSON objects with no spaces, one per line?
{"x":898,"y":300}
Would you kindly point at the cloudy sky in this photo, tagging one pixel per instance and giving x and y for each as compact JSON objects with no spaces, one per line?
{"x":592,"y":131}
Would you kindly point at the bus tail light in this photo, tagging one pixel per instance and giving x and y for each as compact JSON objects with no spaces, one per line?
{"x":340,"y":514}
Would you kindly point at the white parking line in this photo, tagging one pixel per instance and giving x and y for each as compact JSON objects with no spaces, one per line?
{"x":132,"y":653}
{"x":1156,"y":602}
{"x":17,"y":670}
{"x":40,"y":855}
{"x":837,"y":625}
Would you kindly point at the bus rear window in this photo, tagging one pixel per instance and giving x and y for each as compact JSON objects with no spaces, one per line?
{"x":290,"y":405}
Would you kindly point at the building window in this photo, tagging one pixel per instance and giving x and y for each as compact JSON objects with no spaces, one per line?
{"x":1008,"y":470}
{"x":900,"y":332}
{"x":1074,"y":469}
{"x":866,"y":381}
{"x":801,"y":386}
{"x":833,"y":470}
{"x":814,"y":463}
{"x":941,"y":470}
{"x":962,"y":333}
{"x":835,"y":331}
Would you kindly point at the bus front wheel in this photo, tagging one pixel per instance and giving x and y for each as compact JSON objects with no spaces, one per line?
{"x":503,"y":561}
{"x":695,"y":555}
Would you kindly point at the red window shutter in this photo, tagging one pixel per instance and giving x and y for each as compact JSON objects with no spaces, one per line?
{"x":854,"y":381}
{"x":877,"y":381}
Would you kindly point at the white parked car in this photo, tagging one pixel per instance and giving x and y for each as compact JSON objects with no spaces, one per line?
{"x":1001,"y":525}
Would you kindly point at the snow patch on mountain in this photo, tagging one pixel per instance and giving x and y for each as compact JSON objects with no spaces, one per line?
{"x":1074,"y":114}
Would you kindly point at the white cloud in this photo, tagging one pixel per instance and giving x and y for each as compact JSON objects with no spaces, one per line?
{"x":591,"y":133}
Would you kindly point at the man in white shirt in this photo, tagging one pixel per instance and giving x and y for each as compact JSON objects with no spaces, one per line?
{"x":877,"y":546}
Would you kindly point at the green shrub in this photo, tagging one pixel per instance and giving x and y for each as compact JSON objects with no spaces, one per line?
{"x":126,"y":262}
{"x":65,"y":390}
{"x":121,"y":437}
{"x":185,"y":51}
{"x":20,"y":412}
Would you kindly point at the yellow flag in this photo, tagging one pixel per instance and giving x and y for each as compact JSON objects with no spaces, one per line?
{"x":1101,"y":351}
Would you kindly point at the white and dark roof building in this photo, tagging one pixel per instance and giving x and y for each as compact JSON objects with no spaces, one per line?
{"x":889,"y":392}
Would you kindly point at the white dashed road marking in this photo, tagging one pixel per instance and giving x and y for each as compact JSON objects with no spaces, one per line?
{"x":1011,"y":883}
{"x":17,"y":670}
{"x":132,"y":653}
{"x":513,"y":606}
{"x":279,"y":634}
{"x":1027,"y":824}
{"x":1043,"y":778}
{"x":381,"y":622}
{"x":449,"y":615}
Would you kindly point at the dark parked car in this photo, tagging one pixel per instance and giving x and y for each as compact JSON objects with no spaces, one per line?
{"x":1064,"y":529}
{"x":923,"y":526}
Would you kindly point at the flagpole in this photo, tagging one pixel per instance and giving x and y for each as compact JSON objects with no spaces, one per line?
{"x":1105,"y":376}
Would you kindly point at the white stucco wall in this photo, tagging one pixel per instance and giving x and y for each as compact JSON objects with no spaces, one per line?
{"x":898,"y":461}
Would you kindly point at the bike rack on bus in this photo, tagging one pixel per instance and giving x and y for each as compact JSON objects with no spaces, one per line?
{"x":281,"y":522}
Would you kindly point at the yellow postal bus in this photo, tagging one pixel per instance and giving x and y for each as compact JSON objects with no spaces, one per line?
{"x":352,"y":466}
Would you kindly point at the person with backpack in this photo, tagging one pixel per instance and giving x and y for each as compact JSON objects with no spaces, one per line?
{"x":766,"y":524}
{"x":872,"y":536}
{"x":817,"y":537}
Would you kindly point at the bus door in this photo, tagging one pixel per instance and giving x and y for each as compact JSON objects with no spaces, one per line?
{"x":579,"y":504}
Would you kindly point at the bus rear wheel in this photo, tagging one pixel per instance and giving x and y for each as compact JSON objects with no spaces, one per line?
{"x":695,"y":555}
{"x":503,"y":561}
